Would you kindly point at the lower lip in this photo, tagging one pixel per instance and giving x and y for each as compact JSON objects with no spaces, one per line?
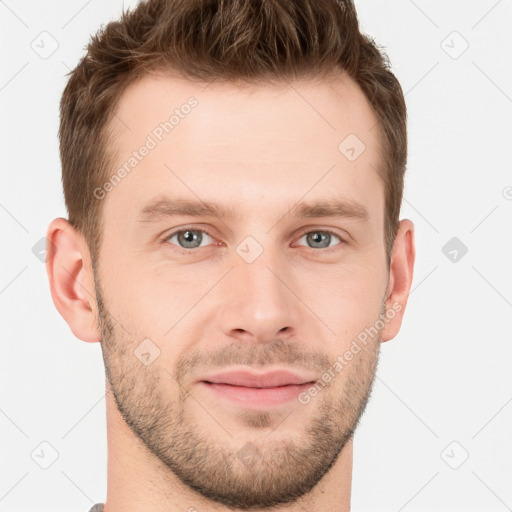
{"x":258,"y":397}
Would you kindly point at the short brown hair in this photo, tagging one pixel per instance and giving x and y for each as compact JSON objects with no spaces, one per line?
{"x":204,"y":40}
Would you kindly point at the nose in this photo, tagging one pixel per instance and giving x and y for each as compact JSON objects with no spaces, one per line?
{"x":259,"y":301}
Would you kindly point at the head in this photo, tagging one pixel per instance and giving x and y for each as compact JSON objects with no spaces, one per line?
{"x":233,"y":173}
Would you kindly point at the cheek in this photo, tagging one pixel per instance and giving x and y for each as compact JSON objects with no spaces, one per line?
{"x":162,"y":307}
{"x":347,"y":296}
{"x":349,"y":302}
{"x":130,"y":306}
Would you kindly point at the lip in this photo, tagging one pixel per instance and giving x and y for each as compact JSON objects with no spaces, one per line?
{"x":257,"y":390}
{"x":269,"y":379}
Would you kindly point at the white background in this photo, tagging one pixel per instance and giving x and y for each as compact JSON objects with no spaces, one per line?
{"x":445,"y":378}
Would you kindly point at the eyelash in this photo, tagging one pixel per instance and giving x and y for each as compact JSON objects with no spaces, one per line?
{"x":191,"y":228}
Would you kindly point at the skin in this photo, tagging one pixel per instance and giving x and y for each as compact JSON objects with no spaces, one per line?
{"x":260,"y":150}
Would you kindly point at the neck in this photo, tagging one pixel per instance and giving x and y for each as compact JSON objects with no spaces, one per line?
{"x":137,"y":481}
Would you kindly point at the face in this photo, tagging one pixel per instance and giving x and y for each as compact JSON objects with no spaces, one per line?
{"x":283,"y":271}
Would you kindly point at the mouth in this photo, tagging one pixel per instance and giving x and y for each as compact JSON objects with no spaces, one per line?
{"x":257,"y":391}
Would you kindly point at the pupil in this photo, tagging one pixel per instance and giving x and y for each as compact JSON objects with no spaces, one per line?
{"x":318,"y":237}
{"x":189,"y":237}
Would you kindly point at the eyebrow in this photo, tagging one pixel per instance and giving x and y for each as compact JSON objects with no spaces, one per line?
{"x":164,"y":207}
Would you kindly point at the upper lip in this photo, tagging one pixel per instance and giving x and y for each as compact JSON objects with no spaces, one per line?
{"x":249,"y":379}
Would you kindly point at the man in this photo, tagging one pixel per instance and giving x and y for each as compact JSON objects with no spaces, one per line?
{"x":233,"y":173}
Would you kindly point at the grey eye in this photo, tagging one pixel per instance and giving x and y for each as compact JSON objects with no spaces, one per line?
{"x":319,"y":239}
{"x":189,"y":238}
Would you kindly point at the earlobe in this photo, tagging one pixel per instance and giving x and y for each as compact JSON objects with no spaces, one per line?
{"x":400,"y":279}
{"x":71,"y":279}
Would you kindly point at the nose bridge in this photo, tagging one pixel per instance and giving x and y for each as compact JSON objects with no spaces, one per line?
{"x":264,"y":285}
{"x":261,"y":304}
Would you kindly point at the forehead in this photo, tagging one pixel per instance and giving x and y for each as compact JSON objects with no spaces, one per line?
{"x":328,"y":108}
{"x":244,"y":143}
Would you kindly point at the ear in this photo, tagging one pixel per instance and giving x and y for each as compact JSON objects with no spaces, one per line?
{"x":68,"y":265}
{"x":400,"y":279}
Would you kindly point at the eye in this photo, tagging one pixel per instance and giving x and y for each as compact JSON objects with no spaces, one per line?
{"x":320,"y":238}
{"x":188,"y":238}
{"x":193,"y":238}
